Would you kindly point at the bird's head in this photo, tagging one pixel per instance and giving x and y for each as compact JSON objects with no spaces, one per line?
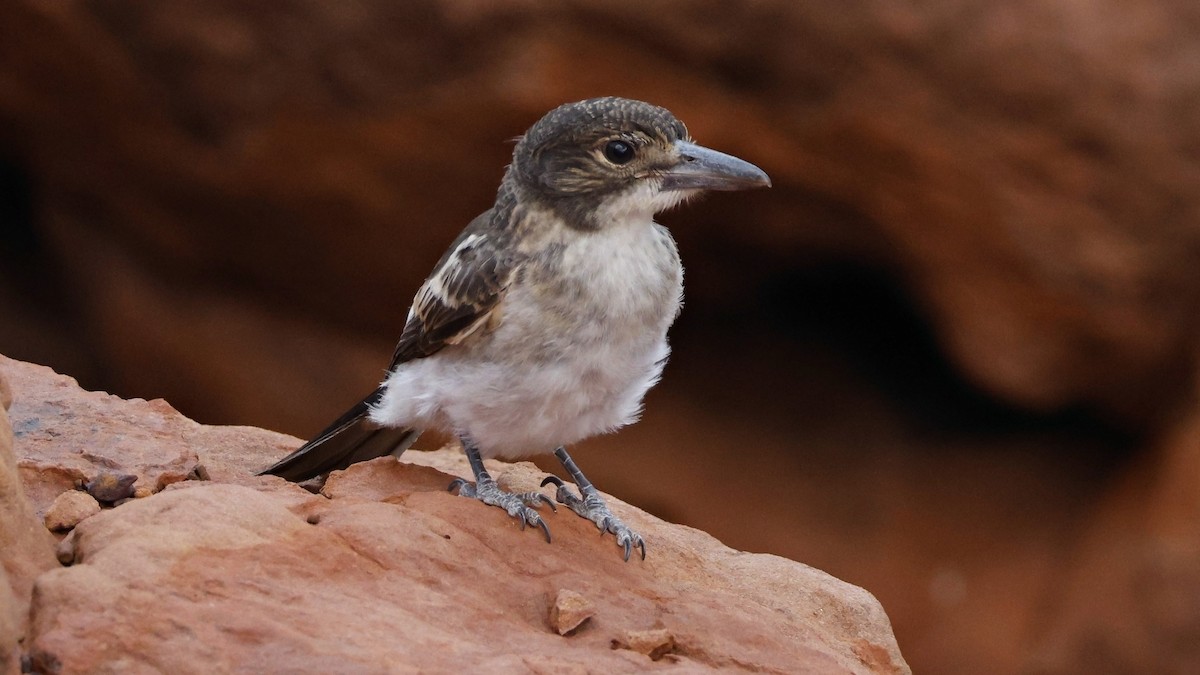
{"x":606,"y":159}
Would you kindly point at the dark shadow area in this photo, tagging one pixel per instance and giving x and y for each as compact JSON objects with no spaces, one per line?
{"x":865,"y":316}
{"x":21,"y":242}
{"x":40,"y":323}
{"x":862,"y":319}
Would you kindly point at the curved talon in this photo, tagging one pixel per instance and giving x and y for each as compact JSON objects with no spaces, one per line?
{"x":543,"y":499}
{"x":590,"y":505}
{"x":456,"y":483}
{"x":531,"y":517}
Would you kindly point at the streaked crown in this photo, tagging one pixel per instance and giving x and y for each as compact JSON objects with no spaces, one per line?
{"x":594,"y":147}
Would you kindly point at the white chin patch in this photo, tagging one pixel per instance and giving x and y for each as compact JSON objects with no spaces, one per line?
{"x":641,"y":201}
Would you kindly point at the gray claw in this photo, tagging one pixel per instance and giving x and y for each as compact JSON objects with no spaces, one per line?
{"x":631,"y":541}
{"x":536,"y":499}
{"x":590,"y":505}
{"x":520,"y":506}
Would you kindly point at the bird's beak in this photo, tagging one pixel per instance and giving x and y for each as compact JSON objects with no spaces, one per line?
{"x":702,"y":169}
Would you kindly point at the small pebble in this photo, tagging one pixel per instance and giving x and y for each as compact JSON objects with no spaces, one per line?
{"x":569,"y":611}
{"x":69,"y":509}
{"x":109,"y":486}
{"x":65,"y":551}
{"x":655,"y":643}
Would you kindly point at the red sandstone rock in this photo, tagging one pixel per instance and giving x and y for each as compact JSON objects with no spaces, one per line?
{"x":230,"y":576}
{"x":387,"y":571}
{"x":5,"y":394}
{"x":12,"y":626}
{"x":69,"y":509}
{"x":654,"y":643}
{"x":569,"y":610}
{"x":26,"y":548}
{"x":70,"y":437}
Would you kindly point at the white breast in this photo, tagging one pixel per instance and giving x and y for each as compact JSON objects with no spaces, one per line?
{"x":572,"y":357}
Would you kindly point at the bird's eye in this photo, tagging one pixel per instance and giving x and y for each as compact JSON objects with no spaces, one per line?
{"x":618,"y":152}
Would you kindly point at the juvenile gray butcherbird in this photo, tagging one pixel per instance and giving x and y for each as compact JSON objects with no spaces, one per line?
{"x":546,"y":320}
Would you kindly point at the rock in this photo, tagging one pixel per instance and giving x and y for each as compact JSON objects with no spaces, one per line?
{"x":104,"y":444}
{"x":5,"y":394}
{"x":110,"y":487}
{"x":65,"y":551}
{"x":12,"y":625}
{"x":654,"y":643}
{"x":26,"y":548}
{"x":69,"y":509}
{"x":1130,"y":604}
{"x":569,"y":611}
{"x":227,"y":574}
{"x":387,"y":571}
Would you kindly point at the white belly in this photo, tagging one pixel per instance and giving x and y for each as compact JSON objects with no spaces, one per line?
{"x":571,"y":358}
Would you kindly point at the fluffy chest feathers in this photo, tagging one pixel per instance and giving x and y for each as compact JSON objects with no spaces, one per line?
{"x":621,"y":282}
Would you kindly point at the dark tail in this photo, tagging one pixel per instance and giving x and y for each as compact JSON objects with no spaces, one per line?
{"x":352,"y":438}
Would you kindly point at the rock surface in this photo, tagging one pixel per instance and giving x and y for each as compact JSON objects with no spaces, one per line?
{"x":26,"y":548}
{"x":69,"y":509}
{"x":570,"y":610}
{"x":386,"y":571}
{"x":1131,"y":603}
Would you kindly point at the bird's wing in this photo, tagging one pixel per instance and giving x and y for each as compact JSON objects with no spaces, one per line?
{"x":462,"y":295}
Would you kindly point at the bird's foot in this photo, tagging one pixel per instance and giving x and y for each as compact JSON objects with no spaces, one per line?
{"x":519,"y":505}
{"x":591,"y":506}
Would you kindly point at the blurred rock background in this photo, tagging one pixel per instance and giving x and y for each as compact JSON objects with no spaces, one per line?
{"x":950,"y":357}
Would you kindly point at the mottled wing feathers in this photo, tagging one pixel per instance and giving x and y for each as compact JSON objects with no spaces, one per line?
{"x":461,"y":295}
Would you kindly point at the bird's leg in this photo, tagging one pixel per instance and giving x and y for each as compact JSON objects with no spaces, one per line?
{"x":518,"y":505}
{"x":591,"y":505}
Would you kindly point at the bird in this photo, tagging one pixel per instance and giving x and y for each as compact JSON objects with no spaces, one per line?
{"x":545,"y":322}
